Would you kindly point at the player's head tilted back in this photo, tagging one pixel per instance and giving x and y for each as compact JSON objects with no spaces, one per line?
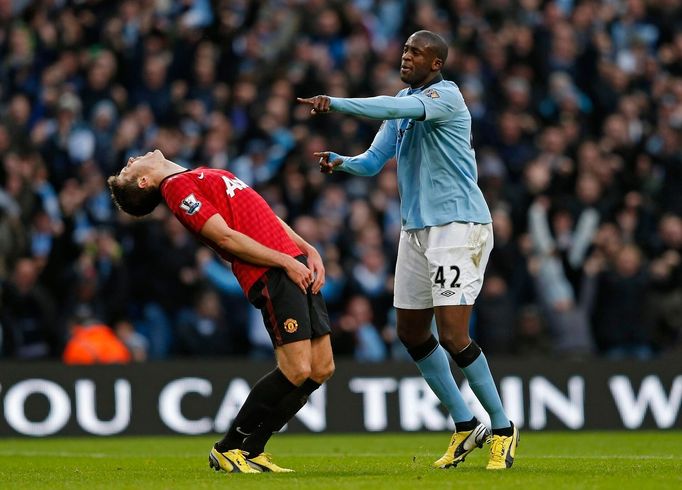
{"x":423,"y":57}
{"x":135,"y":189}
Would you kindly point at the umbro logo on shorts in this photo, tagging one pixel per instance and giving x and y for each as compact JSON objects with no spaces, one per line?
{"x":447,"y":293}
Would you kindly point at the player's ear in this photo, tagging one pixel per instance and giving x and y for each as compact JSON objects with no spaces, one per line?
{"x":143,"y":182}
{"x":436,"y":64}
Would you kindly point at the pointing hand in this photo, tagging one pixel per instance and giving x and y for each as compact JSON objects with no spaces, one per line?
{"x":326,"y":166}
{"x":319,"y":103}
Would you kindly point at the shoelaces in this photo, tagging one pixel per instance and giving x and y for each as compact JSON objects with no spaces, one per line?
{"x":496,"y":446}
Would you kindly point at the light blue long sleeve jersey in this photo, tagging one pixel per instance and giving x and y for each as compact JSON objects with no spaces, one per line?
{"x":429,"y":131}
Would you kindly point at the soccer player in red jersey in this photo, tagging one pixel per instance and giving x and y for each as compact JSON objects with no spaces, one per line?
{"x":280,"y":273}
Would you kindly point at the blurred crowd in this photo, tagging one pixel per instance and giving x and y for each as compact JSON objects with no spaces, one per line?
{"x":577,"y":125}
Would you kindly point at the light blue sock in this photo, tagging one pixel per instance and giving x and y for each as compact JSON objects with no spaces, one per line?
{"x":435,"y":369}
{"x":483,"y":386}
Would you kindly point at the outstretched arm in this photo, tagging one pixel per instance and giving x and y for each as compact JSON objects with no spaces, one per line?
{"x":369,"y":162}
{"x":382,"y":107}
{"x":365,"y":165}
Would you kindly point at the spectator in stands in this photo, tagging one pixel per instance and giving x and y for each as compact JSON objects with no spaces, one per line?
{"x":495,"y":316}
{"x":621,"y":327}
{"x":204,"y":331}
{"x":28,"y":314}
{"x":559,"y":252}
{"x":137,"y":344}
{"x":92,"y":342}
{"x":666,"y":277}
{"x":577,"y":102}
{"x":355,"y":335}
{"x":12,"y":234}
{"x":531,"y":334}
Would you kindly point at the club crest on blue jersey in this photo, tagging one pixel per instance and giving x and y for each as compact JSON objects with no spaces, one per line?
{"x":432,"y":93}
{"x":190,"y":204}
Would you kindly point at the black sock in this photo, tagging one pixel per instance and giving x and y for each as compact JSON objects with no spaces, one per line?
{"x":421,"y":351}
{"x":289,"y":406}
{"x":466,"y":356}
{"x":468,"y":425}
{"x":506,"y":431}
{"x":264,"y":395}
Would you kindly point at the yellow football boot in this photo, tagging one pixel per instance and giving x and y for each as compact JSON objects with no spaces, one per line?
{"x":263,"y":462}
{"x":461,"y":444}
{"x":232,"y":461}
{"x":503,"y":450}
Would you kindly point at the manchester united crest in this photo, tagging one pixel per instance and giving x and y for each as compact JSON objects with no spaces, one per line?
{"x":290,"y":325}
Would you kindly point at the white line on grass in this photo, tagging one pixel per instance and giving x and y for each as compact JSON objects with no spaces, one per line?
{"x":605,"y":456}
{"x":58,"y":454}
{"x":67,"y":454}
{"x":524,"y":456}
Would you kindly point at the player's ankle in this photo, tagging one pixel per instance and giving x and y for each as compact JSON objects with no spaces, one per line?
{"x":466,"y":425}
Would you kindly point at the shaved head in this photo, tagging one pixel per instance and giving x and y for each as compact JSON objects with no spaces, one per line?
{"x":433,"y":42}
{"x":423,"y":57}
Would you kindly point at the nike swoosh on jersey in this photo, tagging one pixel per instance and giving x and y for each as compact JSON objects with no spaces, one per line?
{"x":201,"y":175}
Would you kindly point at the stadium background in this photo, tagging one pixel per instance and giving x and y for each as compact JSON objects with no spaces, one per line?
{"x":577,"y":124}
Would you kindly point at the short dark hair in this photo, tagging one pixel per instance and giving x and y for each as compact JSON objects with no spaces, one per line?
{"x":435,"y":42}
{"x":132,"y":199}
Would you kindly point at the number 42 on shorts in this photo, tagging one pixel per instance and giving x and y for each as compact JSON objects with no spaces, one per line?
{"x":440,"y":278}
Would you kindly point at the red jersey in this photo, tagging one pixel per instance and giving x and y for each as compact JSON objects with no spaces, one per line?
{"x":196,"y":195}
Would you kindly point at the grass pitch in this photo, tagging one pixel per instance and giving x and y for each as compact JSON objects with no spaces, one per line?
{"x":549,"y":461}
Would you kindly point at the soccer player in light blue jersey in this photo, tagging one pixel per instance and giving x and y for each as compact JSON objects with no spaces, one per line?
{"x":446,"y":235}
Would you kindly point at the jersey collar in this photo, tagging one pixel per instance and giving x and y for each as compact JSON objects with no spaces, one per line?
{"x":437,"y":78}
{"x":163,"y":181}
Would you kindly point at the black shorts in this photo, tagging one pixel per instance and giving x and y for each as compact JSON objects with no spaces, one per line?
{"x":289,"y":315}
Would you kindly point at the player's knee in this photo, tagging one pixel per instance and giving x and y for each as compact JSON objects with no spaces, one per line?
{"x":454,"y":341}
{"x":411,"y":338}
{"x":299,"y":376}
{"x":297,"y":373}
{"x":323,"y":371}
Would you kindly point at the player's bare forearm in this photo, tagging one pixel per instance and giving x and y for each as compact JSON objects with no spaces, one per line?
{"x":249,"y":250}
{"x":297,"y":239}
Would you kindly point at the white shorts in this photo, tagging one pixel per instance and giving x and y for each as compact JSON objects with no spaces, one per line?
{"x":441,"y":265}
